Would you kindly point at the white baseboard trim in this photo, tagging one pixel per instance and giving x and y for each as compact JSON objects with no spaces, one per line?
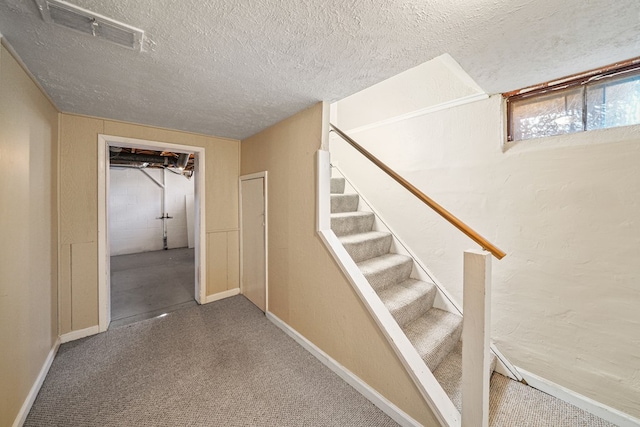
{"x":503,"y":366}
{"x":33,"y":393}
{"x":76,"y":335}
{"x":395,"y":413}
{"x":596,"y":408}
{"x":221,"y":295}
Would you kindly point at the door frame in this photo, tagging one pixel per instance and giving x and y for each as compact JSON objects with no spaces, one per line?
{"x":265,"y":187}
{"x":104,"y":256}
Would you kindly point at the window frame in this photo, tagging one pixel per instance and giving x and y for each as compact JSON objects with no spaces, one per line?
{"x":585,"y":79}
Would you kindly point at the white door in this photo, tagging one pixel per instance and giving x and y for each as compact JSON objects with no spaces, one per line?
{"x":253,"y":230}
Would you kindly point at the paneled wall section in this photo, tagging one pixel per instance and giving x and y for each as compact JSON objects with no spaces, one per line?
{"x":79,"y":210}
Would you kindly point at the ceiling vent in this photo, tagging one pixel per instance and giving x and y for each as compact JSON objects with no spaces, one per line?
{"x":85,"y":21}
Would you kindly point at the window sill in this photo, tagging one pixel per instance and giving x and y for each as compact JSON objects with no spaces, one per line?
{"x":592,"y":137}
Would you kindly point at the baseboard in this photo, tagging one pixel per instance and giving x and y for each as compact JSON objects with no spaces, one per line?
{"x":33,"y":393}
{"x":596,"y":408}
{"x":503,"y":366}
{"x":395,"y":413}
{"x":76,"y":335}
{"x":221,"y":295}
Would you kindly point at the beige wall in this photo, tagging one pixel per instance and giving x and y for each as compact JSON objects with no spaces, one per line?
{"x":306,"y":287}
{"x":28,"y":232}
{"x":565,"y":209}
{"x":79,"y":210}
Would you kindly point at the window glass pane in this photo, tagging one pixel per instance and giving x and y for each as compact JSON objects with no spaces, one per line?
{"x":613,"y":103}
{"x":555,"y":113}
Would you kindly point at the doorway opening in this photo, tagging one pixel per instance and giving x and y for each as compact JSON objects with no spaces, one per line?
{"x":152,"y":263}
{"x":151,"y":229}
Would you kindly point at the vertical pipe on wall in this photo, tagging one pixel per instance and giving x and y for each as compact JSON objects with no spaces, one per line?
{"x":165,"y":215}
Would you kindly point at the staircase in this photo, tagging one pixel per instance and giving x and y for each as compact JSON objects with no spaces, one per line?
{"x":434,"y":333}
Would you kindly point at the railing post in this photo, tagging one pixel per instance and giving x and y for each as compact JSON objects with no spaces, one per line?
{"x":475,"y":339}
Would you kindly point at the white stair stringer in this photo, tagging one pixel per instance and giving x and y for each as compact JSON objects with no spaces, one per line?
{"x":433,"y":332}
{"x":435,"y":396}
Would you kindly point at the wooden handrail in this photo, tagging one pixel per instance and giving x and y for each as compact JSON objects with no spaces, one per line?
{"x":484,"y":243}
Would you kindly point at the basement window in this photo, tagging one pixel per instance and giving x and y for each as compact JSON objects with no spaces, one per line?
{"x":603,"y":98}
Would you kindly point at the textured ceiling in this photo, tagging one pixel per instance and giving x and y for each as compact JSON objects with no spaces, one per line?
{"x":232,"y":68}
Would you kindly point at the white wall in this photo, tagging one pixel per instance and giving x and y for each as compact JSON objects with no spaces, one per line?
{"x":135,"y":205}
{"x":408,"y":92}
{"x":565,"y":209}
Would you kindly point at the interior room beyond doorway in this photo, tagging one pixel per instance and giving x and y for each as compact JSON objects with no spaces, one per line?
{"x":150,"y":284}
{"x":151,"y":233}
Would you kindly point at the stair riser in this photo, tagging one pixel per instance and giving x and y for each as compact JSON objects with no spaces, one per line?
{"x":449,"y":374}
{"x":352,"y":225}
{"x":445,"y":347}
{"x":337,"y":185}
{"x":344,"y":203}
{"x":368,"y":249}
{"x":413,"y":310}
{"x":434,"y":335}
{"x":395,"y":274}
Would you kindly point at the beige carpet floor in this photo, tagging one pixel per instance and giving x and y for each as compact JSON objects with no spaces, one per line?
{"x":514,"y":404}
{"x":225,"y":364}
{"x":222,"y":364}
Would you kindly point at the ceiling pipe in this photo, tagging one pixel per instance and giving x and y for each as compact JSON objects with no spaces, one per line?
{"x":183,"y":160}
{"x":128,"y":165}
{"x":143,"y":158}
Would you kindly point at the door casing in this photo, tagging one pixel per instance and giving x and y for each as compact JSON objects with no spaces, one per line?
{"x":104,"y":258}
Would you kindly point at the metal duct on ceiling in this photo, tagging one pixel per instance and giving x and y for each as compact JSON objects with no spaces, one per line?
{"x":143,"y":158}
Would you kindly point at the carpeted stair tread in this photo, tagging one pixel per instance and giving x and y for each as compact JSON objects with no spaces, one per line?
{"x":449,"y":374}
{"x":407,"y":300}
{"x":434,"y":334}
{"x":344,"y":203}
{"x":345,"y":223}
{"x":368,"y":245}
{"x":337,"y":185}
{"x":386,"y":270}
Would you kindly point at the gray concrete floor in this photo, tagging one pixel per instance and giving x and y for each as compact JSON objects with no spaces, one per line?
{"x":149,"y":284}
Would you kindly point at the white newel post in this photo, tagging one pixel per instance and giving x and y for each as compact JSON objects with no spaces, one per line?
{"x":475,"y":338}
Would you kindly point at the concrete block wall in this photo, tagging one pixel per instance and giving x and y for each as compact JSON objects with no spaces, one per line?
{"x":135,"y":205}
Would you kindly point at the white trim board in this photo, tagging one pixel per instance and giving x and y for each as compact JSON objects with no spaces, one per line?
{"x":395,"y":413}
{"x":80,"y":333}
{"x":221,"y":295}
{"x":594,"y":407}
{"x":323,"y":191}
{"x":35,"y":388}
{"x":421,"y":112}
